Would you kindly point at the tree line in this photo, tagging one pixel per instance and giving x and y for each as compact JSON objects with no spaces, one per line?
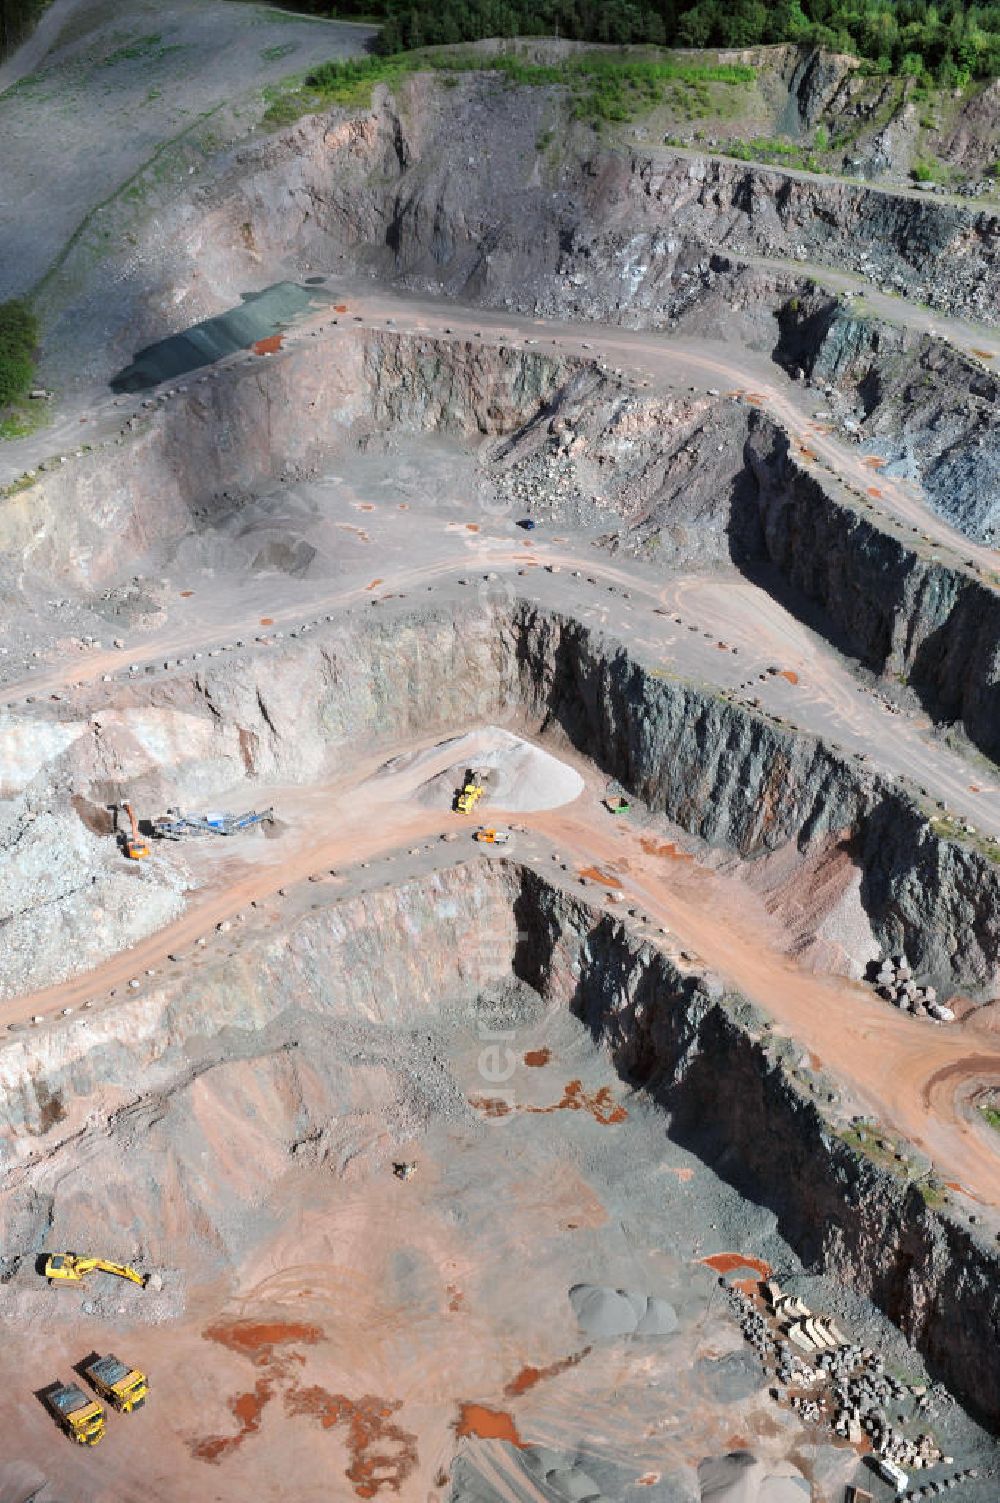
{"x":16,"y":19}
{"x":944,"y":41}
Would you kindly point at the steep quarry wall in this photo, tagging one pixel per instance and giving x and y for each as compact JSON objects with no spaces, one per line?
{"x":739,"y":781}
{"x":416,"y":187}
{"x":194,"y":456}
{"x":733,"y":1096}
{"x":896,"y":611}
{"x":924,"y":404}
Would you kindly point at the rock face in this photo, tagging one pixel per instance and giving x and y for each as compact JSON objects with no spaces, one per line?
{"x":926,"y":406}
{"x":896,"y":611}
{"x":732,"y":1099}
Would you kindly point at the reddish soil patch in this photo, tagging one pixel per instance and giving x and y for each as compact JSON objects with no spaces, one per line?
{"x":487,"y":1424}
{"x":600,"y":1105}
{"x":490,"y":1106}
{"x":383,"y":1454}
{"x":726,"y":1262}
{"x":806,"y":452}
{"x":872,"y":462}
{"x":789,"y":674}
{"x":267,"y":620}
{"x":536,"y":1058}
{"x":529,"y":1376}
{"x":648,"y":1479}
{"x":186,"y":594}
{"x":366,"y":506}
{"x":94,"y":817}
{"x":340,"y":307}
{"x":684,"y":1175}
{"x":974,"y":788}
{"x":983,"y":354}
{"x":257,"y":1339}
{"x":472,"y":526}
{"x":269,"y":346}
{"x":246,"y":1409}
{"x":456,"y":1299}
{"x":595,"y":874}
{"x":404,"y":506}
{"x":873,"y":490}
{"x":664,"y":848}
{"x":374,"y":583}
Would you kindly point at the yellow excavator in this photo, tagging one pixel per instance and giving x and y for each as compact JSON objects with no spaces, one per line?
{"x":491,"y":837}
{"x":72,"y":1268}
{"x":124,"y":1388}
{"x":135,"y":847}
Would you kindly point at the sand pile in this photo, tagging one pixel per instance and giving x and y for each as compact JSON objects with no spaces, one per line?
{"x":522,"y":777}
{"x":617,"y":1312}
{"x":741,"y":1478}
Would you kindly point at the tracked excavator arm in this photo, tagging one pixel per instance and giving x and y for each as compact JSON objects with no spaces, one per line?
{"x":71,"y":1268}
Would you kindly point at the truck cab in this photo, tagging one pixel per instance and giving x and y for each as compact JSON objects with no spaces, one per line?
{"x":82,"y":1418}
{"x":124,"y":1388}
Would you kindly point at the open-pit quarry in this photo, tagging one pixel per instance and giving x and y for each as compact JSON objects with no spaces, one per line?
{"x":650,"y":1149}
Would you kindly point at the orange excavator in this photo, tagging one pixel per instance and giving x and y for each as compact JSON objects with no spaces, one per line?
{"x":135,"y":847}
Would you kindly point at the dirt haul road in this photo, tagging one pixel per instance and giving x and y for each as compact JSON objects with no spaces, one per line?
{"x":896,"y":1066}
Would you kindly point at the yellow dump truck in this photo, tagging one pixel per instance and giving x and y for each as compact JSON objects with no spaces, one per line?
{"x":81,"y":1418}
{"x":71,"y":1268}
{"x":124,"y":1388}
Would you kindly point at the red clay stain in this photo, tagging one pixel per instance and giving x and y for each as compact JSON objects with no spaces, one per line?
{"x":366,"y":506}
{"x":974,"y":788}
{"x":374,"y":583}
{"x":755,"y":399}
{"x":536,"y":1058}
{"x":684,"y":1175}
{"x":491,"y":1106}
{"x":648,"y":1479}
{"x":873,"y":490}
{"x":269,"y":346}
{"x":983,"y":354}
{"x":529,"y":1376}
{"x":789,"y":674}
{"x":737,"y":1443}
{"x":258,"y":1339}
{"x":472,"y":526}
{"x":486,"y":1424}
{"x":267,"y":620}
{"x":725,"y":1262}
{"x":382,"y":1453}
{"x":597,"y":875}
{"x":186,"y":594}
{"x":600,"y":1104}
{"x":404,"y":506}
{"x":806,"y":452}
{"x":246,"y":1409}
{"x":340,"y":307}
{"x":872,"y":462}
{"x":664,"y":848}
{"x":456,"y":1299}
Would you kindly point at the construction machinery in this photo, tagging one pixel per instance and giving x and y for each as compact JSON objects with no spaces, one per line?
{"x":471,"y":792}
{"x":72,"y":1268}
{"x":82,"y":1418}
{"x":135,"y":847}
{"x":491,"y":837}
{"x":124,"y":1388}
{"x":616,"y":804}
{"x":176,"y":825}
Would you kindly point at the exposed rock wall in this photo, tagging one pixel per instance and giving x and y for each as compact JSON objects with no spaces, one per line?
{"x":926,"y":406}
{"x":739,"y":781}
{"x":898,"y":612}
{"x":733,"y":1098}
{"x":198,"y":453}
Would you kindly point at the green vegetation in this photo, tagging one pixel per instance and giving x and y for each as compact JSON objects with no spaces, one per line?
{"x":949,"y":41}
{"x":992,"y":1116}
{"x":17,"y":17}
{"x":601,"y":88}
{"x":925,"y":171}
{"x":18,"y":340}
